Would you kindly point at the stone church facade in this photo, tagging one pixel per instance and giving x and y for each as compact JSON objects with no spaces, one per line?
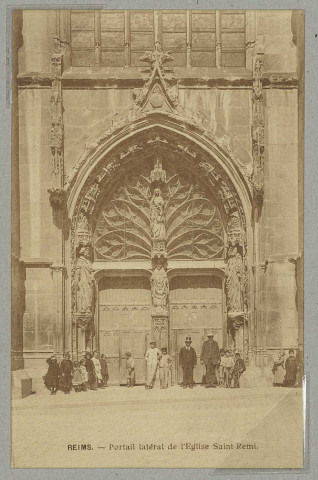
{"x":155,"y":193}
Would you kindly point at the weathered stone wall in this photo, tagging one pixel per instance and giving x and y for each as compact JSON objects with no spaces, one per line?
{"x":227,"y":107}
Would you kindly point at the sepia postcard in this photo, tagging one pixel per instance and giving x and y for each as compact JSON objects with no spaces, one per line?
{"x":157,"y":239}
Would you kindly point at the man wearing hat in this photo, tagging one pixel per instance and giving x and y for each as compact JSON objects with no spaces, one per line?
{"x":210,"y":356}
{"x":152,"y":357}
{"x":187,"y":360}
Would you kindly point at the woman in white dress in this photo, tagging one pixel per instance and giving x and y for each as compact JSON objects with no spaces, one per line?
{"x":98,"y":370}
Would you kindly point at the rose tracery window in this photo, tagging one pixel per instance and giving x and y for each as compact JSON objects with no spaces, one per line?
{"x":193,"y":224}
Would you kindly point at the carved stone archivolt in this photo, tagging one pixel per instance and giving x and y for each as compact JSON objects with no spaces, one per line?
{"x":258,"y":126}
{"x":159,"y":95}
{"x":158,"y":210}
{"x":57,"y":128}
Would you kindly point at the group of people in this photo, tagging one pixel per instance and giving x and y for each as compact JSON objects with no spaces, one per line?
{"x":91,"y":372}
{"x":223,"y":369}
{"x":288,"y":372}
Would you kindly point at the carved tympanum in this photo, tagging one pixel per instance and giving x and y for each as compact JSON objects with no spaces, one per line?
{"x":136,"y":215}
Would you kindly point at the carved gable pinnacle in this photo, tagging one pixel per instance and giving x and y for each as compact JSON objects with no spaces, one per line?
{"x":157,"y":93}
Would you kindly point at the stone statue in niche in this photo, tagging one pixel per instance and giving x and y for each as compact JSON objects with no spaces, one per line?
{"x":85,"y":284}
{"x":159,"y":290}
{"x":157,"y":215}
{"x":234,"y":279}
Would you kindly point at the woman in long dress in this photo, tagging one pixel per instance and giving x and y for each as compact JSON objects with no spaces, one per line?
{"x":98,"y":370}
{"x":52,"y":377}
{"x":291,"y":369}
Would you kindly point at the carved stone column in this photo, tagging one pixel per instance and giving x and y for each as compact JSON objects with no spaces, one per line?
{"x":57,"y":128}
{"x":58,"y":197}
{"x":234,"y":282}
{"x":85,"y":291}
{"x":258,"y":151}
{"x":159,"y":280}
{"x":58,"y":273}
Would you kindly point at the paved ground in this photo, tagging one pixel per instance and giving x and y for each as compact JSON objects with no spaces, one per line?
{"x":267,"y":421}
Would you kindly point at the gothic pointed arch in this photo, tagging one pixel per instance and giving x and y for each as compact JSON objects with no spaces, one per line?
{"x":169,"y":157}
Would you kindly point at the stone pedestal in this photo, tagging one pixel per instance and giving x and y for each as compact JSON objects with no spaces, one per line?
{"x":84,"y":325}
{"x":21,"y":384}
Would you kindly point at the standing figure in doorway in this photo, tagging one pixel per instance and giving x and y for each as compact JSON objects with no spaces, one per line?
{"x":210,"y":357}
{"x":238,"y":369}
{"x":105,"y":375}
{"x":152,"y":357}
{"x":130,"y":369}
{"x":165,"y":363}
{"x":66,"y":373}
{"x":291,"y":369}
{"x":278,"y":369}
{"x":89,"y":364}
{"x":52,"y":377}
{"x":187,"y":360}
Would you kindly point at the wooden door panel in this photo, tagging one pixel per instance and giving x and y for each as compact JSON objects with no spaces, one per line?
{"x":109,"y":345}
{"x":195,"y":308}
{"x":124,"y":309}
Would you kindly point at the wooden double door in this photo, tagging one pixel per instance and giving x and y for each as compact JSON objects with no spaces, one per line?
{"x":125,"y":321}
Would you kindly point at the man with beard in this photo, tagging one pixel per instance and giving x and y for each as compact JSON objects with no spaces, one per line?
{"x":210,"y":356}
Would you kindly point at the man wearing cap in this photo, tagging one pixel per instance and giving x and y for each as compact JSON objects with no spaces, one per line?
{"x":152,"y":357}
{"x":187,"y":360}
{"x":210,"y":356}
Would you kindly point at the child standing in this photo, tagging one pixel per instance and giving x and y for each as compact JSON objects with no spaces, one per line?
{"x":165,"y":363}
{"x":238,"y":369}
{"x":228,"y":368}
{"x":84,"y":375}
{"x":104,"y":366}
{"x":53,"y":375}
{"x":130,"y":369}
{"x":77,"y":380}
{"x":221,"y":368}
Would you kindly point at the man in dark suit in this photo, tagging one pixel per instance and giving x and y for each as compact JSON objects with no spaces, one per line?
{"x":210,"y":356}
{"x":187,"y":360}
